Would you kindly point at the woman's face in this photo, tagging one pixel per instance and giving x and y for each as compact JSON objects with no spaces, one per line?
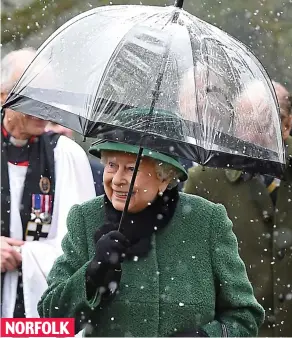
{"x":117,"y":176}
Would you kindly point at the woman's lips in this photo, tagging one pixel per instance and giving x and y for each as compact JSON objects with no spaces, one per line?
{"x":121,"y":194}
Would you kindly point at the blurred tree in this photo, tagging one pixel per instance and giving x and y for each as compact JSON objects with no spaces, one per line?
{"x":264,"y":25}
{"x":20,"y":23}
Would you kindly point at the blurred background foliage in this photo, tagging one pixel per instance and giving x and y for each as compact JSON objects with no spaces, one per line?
{"x":263,"y":25}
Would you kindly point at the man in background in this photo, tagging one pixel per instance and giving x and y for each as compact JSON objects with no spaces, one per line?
{"x":260,"y":208}
{"x":42,"y":176}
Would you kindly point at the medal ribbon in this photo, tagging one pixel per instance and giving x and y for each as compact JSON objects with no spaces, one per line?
{"x":42,"y":203}
{"x":46,"y":204}
{"x":36,"y":202}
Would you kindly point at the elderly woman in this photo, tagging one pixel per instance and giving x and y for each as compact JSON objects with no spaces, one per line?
{"x":172,"y":270}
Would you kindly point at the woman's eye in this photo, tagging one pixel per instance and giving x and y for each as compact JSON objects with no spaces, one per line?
{"x":111,"y":166}
{"x":131,"y":168}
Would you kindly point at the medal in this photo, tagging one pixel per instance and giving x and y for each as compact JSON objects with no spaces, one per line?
{"x":45,"y":185}
{"x":39,"y":226}
{"x":45,"y":217}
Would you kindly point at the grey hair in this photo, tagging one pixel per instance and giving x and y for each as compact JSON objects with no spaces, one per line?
{"x":14,"y":61}
{"x":255,"y":100}
{"x":167,"y":171}
{"x":163,"y":170}
{"x":256,"y":95}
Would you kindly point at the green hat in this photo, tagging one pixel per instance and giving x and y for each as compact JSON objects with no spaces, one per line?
{"x":96,"y":149}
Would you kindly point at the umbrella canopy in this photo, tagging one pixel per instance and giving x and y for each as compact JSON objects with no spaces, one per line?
{"x":219,"y":106}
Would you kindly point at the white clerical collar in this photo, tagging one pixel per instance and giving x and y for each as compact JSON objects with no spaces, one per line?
{"x":16,"y":142}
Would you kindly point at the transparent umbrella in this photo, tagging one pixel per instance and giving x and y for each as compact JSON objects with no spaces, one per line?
{"x":159,"y":78}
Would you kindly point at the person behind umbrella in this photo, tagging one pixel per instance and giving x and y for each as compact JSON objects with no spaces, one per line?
{"x":260,"y":209}
{"x":42,"y":176}
{"x":172,"y":270}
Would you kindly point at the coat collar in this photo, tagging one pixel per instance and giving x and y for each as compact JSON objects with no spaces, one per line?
{"x":233,"y":175}
{"x":288,"y":172}
{"x":288,"y":145}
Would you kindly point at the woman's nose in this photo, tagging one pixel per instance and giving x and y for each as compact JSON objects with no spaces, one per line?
{"x":119,"y":178}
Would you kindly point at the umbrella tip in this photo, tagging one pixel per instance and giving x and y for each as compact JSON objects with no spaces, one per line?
{"x":179,"y":3}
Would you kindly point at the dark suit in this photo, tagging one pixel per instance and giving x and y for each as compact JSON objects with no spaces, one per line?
{"x":97,"y":173}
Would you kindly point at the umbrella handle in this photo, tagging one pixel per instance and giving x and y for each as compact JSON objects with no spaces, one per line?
{"x":138,"y":160}
{"x":155,"y":94}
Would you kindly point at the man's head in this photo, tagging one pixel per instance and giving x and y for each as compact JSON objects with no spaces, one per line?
{"x":285,"y":104}
{"x":204,"y":98}
{"x":254,"y":114}
{"x":13,"y":66}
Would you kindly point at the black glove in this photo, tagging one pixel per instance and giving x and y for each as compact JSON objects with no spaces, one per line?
{"x":104,"y":271}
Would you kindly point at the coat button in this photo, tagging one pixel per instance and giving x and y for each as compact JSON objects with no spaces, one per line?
{"x":281,"y":254}
{"x":266,"y":216}
{"x":281,"y":298}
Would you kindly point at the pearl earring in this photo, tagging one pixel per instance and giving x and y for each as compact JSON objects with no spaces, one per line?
{"x":160,"y":193}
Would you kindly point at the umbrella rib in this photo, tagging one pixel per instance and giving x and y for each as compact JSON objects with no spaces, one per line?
{"x":197,"y":107}
{"x":234,"y":78}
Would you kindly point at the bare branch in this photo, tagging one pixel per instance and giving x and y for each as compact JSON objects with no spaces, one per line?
{"x":23,"y":22}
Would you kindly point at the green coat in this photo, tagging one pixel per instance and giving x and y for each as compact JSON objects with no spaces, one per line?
{"x":192,"y":268}
{"x":264,"y":235}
